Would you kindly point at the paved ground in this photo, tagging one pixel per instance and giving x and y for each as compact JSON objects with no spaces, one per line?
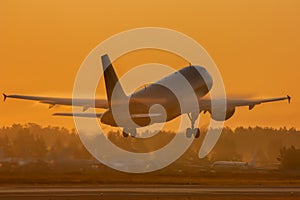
{"x":149,"y":192}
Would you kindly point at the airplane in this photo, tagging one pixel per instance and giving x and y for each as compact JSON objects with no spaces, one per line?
{"x":224,"y":165}
{"x":143,"y":99}
{"x":232,"y":164}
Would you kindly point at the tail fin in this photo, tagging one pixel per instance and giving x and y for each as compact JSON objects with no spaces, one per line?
{"x":111,"y":79}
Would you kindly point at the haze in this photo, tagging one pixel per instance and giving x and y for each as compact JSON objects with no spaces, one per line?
{"x":254,"y":44}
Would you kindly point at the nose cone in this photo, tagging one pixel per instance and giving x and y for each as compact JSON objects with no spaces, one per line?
{"x":206,"y":76}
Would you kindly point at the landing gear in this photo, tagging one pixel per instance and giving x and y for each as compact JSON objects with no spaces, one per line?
{"x":190,"y":132}
{"x":193,"y":131}
{"x":197,"y":132}
{"x":125,"y":134}
{"x":127,"y":131}
{"x":133,"y":132}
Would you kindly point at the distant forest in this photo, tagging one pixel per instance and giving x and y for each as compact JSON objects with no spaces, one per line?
{"x":268,"y":145}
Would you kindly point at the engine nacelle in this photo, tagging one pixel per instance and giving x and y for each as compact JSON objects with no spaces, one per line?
{"x":218,"y":116}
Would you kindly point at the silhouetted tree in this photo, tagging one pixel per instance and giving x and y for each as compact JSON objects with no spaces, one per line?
{"x":56,"y":143}
{"x":289,"y":158}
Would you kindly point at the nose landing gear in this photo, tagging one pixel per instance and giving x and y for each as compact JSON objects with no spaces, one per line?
{"x":127,"y":131}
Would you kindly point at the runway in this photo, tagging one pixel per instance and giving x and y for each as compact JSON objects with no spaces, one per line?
{"x":149,"y":192}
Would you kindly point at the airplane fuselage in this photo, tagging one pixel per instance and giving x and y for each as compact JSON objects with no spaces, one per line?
{"x":223,"y":165}
{"x":145,"y":101}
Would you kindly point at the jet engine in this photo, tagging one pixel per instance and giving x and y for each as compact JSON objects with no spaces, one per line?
{"x":219,"y":116}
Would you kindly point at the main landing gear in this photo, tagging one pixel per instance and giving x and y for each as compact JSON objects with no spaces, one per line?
{"x":193,"y":131}
{"x":189,"y":131}
{"x":127,"y":131}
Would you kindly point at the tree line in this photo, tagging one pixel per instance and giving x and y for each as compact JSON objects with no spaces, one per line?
{"x":269,"y":145}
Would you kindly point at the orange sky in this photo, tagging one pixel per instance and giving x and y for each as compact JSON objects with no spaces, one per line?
{"x":255,"y":45}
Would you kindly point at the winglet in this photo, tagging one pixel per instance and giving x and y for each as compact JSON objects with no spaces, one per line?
{"x":289,"y":98}
{"x":4,"y":97}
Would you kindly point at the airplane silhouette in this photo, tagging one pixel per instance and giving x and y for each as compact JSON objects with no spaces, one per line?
{"x":140,"y":102}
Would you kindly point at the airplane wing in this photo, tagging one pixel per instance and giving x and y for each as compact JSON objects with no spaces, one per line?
{"x":85,"y":103}
{"x":88,"y":115}
{"x":205,"y":104}
{"x":52,"y":101}
{"x":252,"y":103}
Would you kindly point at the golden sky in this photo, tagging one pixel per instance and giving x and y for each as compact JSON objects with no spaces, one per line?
{"x":255,"y":45}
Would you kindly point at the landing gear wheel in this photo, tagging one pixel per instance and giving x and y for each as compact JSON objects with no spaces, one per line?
{"x":189,"y":132}
{"x":197,"y":132}
{"x":133,"y":132}
{"x":193,"y":131}
{"x":127,"y":131}
{"x":125,"y":134}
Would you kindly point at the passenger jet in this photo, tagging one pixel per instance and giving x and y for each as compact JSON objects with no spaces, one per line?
{"x":142,"y":100}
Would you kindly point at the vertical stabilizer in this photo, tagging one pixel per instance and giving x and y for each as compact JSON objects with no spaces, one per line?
{"x":111,"y":79}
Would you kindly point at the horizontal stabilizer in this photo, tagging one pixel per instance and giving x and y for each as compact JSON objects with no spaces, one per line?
{"x":145,"y":115}
{"x":99,"y":115}
{"x":88,"y":115}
